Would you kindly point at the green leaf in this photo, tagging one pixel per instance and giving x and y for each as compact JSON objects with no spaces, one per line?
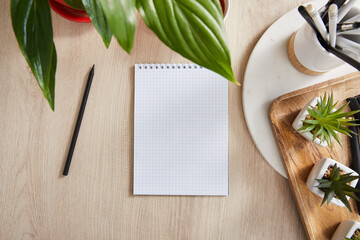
{"x":318,"y":113}
{"x":306,"y":128}
{"x":335,"y":173}
{"x":310,"y":121}
{"x":77,"y":4}
{"x":31,"y":21}
{"x":340,"y":194}
{"x":121,"y":18}
{"x":340,"y":115}
{"x":352,"y":195}
{"x":340,"y":109}
{"x":329,"y":194}
{"x":324,"y":184}
{"x":333,"y":134}
{"x":95,"y":12}
{"x":347,"y":179}
{"x":317,"y":132}
{"x":323,"y":180}
{"x":311,"y":112}
{"x":193,"y":28}
{"x":329,"y":104}
{"x":349,"y":189}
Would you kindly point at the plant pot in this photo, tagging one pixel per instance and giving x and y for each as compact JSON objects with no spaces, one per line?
{"x":301,"y":117}
{"x":318,"y":171}
{"x":72,"y":14}
{"x":346,"y":229}
{"x":225,"y":6}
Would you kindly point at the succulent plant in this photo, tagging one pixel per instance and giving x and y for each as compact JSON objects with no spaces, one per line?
{"x":337,"y":185}
{"x":355,"y":236}
{"x":325,"y":122}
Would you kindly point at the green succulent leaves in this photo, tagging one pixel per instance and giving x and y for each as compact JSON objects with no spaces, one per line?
{"x":354,"y":237}
{"x":192,"y":28}
{"x":326,"y":122}
{"x":337,"y":185}
{"x":31,"y":21}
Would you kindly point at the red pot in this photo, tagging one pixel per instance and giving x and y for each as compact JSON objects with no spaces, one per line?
{"x":72,"y":14}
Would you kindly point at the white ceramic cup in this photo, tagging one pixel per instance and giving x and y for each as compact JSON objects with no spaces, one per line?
{"x":308,"y":55}
{"x":311,"y":54}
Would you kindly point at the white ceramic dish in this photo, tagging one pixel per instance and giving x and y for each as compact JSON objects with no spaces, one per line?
{"x":318,"y":171}
{"x":269,"y":74}
{"x":301,"y":116}
{"x":346,"y":229}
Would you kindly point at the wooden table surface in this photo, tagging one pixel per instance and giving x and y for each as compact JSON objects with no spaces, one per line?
{"x":95,"y":201}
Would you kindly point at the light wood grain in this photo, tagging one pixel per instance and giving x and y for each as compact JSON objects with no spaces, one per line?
{"x":95,"y":201}
{"x":299,"y":154}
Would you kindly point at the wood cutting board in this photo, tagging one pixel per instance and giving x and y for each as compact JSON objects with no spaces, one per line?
{"x":299,"y":154}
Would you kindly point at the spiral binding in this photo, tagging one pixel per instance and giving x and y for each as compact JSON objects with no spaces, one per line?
{"x":167,"y":66}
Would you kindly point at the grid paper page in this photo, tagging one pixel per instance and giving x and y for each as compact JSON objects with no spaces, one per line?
{"x":180,"y":131}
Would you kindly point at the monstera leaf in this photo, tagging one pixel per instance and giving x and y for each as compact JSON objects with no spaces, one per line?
{"x":31,"y":21}
{"x":193,"y":28}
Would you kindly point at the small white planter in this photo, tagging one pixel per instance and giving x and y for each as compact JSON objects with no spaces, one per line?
{"x":298,"y":122}
{"x":318,"y":171}
{"x":346,"y":229}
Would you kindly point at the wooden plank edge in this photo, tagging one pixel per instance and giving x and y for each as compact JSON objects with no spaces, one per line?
{"x":303,"y":216}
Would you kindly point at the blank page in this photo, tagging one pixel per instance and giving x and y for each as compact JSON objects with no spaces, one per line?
{"x":180,"y":131}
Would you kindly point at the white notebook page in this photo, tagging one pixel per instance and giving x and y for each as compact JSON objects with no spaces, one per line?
{"x":180,"y":131}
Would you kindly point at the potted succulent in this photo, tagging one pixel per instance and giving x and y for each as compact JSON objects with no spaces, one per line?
{"x":194,"y":29}
{"x":320,"y":122}
{"x":334,"y":182}
{"x":347,"y":230}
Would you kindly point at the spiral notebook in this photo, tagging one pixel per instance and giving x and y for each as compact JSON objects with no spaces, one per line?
{"x":180,"y":131}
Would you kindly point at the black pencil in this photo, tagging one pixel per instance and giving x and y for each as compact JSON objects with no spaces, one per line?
{"x":354,"y":143}
{"x":78,"y":122}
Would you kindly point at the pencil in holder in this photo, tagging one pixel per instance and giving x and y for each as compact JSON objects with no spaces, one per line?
{"x":310,"y":54}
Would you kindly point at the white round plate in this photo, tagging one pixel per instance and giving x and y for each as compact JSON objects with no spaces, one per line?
{"x":269,"y":74}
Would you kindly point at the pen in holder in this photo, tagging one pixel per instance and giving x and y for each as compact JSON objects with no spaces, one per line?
{"x":311,"y":54}
{"x":307,"y":54}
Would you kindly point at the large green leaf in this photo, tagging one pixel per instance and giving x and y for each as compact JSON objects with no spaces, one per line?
{"x":121,"y":17}
{"x":193,"y":28}
{"x":77,"y":4}
{"x":31,"y":21}
{"x":95,"y":12}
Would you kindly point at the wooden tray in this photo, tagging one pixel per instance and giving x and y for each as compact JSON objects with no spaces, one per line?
{"x":299,"y":154}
